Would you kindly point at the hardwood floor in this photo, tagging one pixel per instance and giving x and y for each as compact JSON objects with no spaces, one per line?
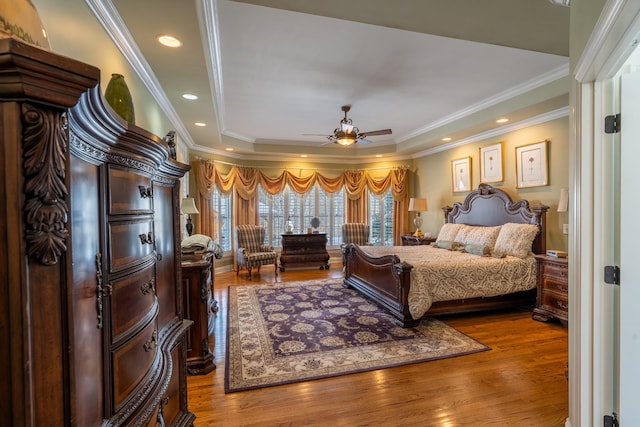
{"x":520,"y":382}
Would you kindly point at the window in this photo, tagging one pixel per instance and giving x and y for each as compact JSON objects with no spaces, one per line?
{"x":381,"y":219}
{"x":275,"y":210}
{"x":221,"y":205}
{"x":271,"y":213}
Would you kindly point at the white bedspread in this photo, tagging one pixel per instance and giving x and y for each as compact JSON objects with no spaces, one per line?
{"x":443,"y":275}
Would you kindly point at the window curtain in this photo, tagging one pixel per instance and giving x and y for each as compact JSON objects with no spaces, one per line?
{"x":244,"y":182}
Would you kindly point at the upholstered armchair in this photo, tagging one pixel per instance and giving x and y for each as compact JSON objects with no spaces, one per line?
{"x":252,"y":252}
{"x":355,"y":232}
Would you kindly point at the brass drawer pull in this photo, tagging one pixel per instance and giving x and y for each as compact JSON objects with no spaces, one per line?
{"x":145,"y":191}
{"x":148,"y":287}
{"x":146,"y":238}
{"x":152,"y":343}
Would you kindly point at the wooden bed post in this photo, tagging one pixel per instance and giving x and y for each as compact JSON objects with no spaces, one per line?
{"x":540,"y":214}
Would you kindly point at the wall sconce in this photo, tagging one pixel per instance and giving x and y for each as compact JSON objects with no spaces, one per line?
{"x":416,"y":205}
{"x":188,"y":207}
{"x":563,"y":202}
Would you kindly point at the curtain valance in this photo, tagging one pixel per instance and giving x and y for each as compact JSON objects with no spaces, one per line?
{"x":245,"y":181}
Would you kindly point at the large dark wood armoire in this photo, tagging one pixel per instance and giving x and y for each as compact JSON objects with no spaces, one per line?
{"x":91,"y":318}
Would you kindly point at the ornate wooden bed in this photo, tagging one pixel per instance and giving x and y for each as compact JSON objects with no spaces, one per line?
{"x":387,"y":280}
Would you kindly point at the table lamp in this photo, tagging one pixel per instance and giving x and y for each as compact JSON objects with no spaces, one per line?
{"x":417,"y":205}
{"x":188,"y":207}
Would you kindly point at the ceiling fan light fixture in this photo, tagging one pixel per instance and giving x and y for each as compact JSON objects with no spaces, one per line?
{"x":348,"y":134}
{"x":346,"y":140}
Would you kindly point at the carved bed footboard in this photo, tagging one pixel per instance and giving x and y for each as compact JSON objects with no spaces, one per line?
{"x":384,"y":279}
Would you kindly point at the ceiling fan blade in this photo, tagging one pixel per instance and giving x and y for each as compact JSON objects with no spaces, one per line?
{"x":374,"y":133}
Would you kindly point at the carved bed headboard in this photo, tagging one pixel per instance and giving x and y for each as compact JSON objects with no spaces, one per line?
{"x":491,"y":206}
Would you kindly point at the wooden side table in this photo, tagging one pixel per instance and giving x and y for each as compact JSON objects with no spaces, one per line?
{"x":411,"y":240}
{"x":553,"y":289}
{"x":199,"y":306}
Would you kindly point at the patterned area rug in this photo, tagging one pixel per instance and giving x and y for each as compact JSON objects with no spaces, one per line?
{"x":298,"y":331}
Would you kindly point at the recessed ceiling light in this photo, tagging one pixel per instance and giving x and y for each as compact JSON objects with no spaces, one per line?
{"x":446,"y":139}
{"x":200,"y":124}
{"x":303,"y":155}
{"x":229,"y":149}
{"x":378,"y":155}
{"x":502,"y":120}
{"x":189,"y":96}
{"x":169,"y":41}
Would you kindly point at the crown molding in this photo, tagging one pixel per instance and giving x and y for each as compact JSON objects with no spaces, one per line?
{"x":532,"y":121}
{"x":208,"y":20}
{"x":518,"y":90}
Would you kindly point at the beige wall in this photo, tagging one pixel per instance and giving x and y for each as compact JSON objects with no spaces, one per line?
{"x":75,"y":32}
{"x":433,"y":176}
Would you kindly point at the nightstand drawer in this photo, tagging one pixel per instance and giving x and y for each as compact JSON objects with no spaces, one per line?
{"x":555,"y":285}
{"x":555,"y":302}
{"x":554,"y":270}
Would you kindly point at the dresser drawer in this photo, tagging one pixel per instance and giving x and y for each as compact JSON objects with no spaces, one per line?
{"x":129,"y":193}
{"x":555,"y":285}
{"x":130,"y":243}
{"x":133,"y":296}
{"x":171,"y":402}
{"x":132,"y":362}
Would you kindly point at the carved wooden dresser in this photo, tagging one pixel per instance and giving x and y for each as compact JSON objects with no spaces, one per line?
{"x":299,"y":250}
{"x":91,"y":301}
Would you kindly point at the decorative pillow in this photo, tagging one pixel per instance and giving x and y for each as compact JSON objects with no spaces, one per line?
{"x":448,"y":232}
{"x":515,"y":239}
{"x":447,"y":244}
{"x":477,"y":249}
{"x":478,"y":235}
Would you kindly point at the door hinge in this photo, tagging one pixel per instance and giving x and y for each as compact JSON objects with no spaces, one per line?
{"x":612,"y":123}
{"x":611,"y":420}
{"x":612,"y":274}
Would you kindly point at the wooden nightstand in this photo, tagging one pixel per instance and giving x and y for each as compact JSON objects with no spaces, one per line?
{"x":199,"y":306}
{"x":411,"y":240}
{"x":553,"y":289}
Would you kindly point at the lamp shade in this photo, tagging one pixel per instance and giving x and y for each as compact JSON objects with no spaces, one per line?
{"x":563,"y":202}
{"x":417,"y":204}
{"x":188,"y":206}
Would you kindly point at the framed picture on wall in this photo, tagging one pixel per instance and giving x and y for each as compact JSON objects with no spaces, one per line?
{"x":461,"y":174}
{"x":531,"y":165}
{"x":491,"y":163}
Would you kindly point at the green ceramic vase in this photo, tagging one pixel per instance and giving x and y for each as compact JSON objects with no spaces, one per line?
{"x":119,"y":98}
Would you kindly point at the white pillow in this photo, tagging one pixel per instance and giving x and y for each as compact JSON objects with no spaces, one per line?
{"x":478,"y":235}
{"x":448,"y":232}
{"x":515,"y":239}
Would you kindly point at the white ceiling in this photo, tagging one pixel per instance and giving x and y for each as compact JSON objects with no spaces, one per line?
{"x":266,"y":76}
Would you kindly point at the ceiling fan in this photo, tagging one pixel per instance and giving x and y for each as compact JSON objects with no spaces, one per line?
{"x":347,"y":133}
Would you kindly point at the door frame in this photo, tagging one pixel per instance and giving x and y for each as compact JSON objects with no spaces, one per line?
{"x":591,"y":370}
